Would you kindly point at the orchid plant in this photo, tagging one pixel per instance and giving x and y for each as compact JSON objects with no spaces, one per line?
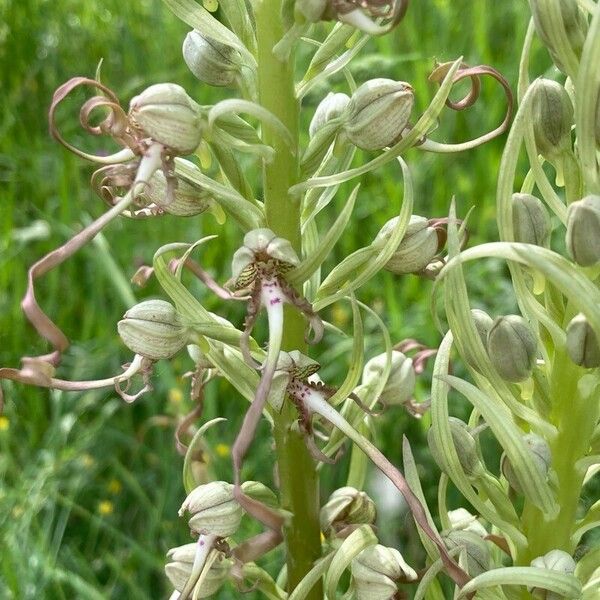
{"x":533,"y":383}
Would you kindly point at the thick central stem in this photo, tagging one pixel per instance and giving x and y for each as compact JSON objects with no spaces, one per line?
{"x":297,"y":474}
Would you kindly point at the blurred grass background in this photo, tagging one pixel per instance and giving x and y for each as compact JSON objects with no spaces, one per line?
{"x":89,"y":486}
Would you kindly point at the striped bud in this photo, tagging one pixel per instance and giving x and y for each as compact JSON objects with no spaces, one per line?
{"x":531,"y":221}
{"x":210,"y":61}
{"x":582,"y":343}
{"x":583,"y":231}
{"x":540,"y":453}
{"x":400,"y":385}
{"x":347,"y":506}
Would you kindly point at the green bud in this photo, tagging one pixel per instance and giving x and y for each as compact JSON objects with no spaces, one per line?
{"x":512,"y":347}
{"x":483,"y":324}
{"x":462,"y":520}
{"x":188,"y":200}
{"x":400,"y":385}
{"x":552,"y":116}
{"x":376,"y":571}
{"x":555,"y":560}
{"x":582,"y":343}
{"x":331,"y":107}
{"x":153,"y":329}
{"x":210,"y":61}
{"x":583,"y":231}
{"x":531,"y":221}
{"x":541,"y":454}
{"x":418,"y":247}
{"x":464,"y":443}
{"x":347,"y":506}
{"x":574,"y":23}
{"x":213,"y":508}
{"x":166,"y":114}
{"x":179,"y":570}
{"x":478,"y":553}
{"x":378,"y":113}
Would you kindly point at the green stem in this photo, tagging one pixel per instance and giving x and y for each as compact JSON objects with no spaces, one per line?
{"x":297,"y":474}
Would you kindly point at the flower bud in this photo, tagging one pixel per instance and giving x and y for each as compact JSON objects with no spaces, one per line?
{"x":378,"y":113}
{"x":262,"y":244}
{"x":188,"y":200}
{"x":512,"y":347}
{"x":153,"y":329}
{"x":483,"y":324}
{"x":418,"y":247}
{"x":179,"y":570}
{"x":213,"y":508}
{"x":313,"y":10}
{"x":552,"y":116}
{"x":376,"y":571}
{"x":555,"y":560}
{"x":464,"y":444}
{"x":210,"y":61}
{"x":583,"y":231}
{"x":541,"y":454}
{"x":582,"y":343}
{"x":478,"y":553}
{"x":462,"y":520}
{"x":531,"y":221}
{"x":400,"y":385}
{"x":347,"y":506}
{"x":331,"y":107}
{"x":165,"y":113}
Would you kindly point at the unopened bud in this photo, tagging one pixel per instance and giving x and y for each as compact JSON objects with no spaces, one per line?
{"x":540,"y":453}
{"x":583,"y":231}
{"x":483,"y":324}
{"x":179,"y":569}
{"x":464,"y":444}
{"x":347,"y":506}
{"x":153,"y":329}
{"x":187,"y":200}
{"x":418,"y":247}
{"x":376,"y":572}
{"x":262,"y":245}
{"x":210,"y":61}
{"x":512,"y":347}
{"x":331,"y":107}
{"x":400,"y":385}
{"x":552,"y":116}
{"x":555,"y":560}
{"x":378,"y":113}
{"x":582,"y":343}
{"x":531,"y":221}
{"x":166,"y":114}
{"x":462,"y":520}
{"x":478,"y":553}
{"x":213,"y":508}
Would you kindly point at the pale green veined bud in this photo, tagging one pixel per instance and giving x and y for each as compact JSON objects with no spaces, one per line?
{"x":213,"y":508}
{"x":417,"y":249}
{"x":153,"y":329}
{"x":347,"y":506}
{"x":179,"y":569}
{"x":574,"y":23}
{"x":583,"y":231}
{"x":540,"y":453}
{"x":188,"y":200}
{"x":165,"y":113}
{"x":464,"y":444}
{"x":531,"y":221}
{"x":555,"y":560}
{"x":210,"y":61}
{"x":378,"y":113}
{"x":462,"y":520}
{"x":331,"y":107}
{"x":552,"y":117}
{"x":483,"y":324}
{"x":263,"y":244}
{"x":478,"y":553}
{"x":512,"y":347}
{"x":582,"y":343}
{"x":376,"y":572}
{"x":400,"y":385}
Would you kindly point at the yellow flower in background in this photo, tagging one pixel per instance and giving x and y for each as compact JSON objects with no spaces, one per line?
{"x":222,"y":450}
{"x":4,"y":423}
{"x":175,"y":395}
{"x":114,"y":486}
{"x":106,"y":507}
{"x":88,"y":460}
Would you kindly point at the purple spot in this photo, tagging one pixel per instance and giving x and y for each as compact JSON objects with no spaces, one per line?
{"x":274,"y":301}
